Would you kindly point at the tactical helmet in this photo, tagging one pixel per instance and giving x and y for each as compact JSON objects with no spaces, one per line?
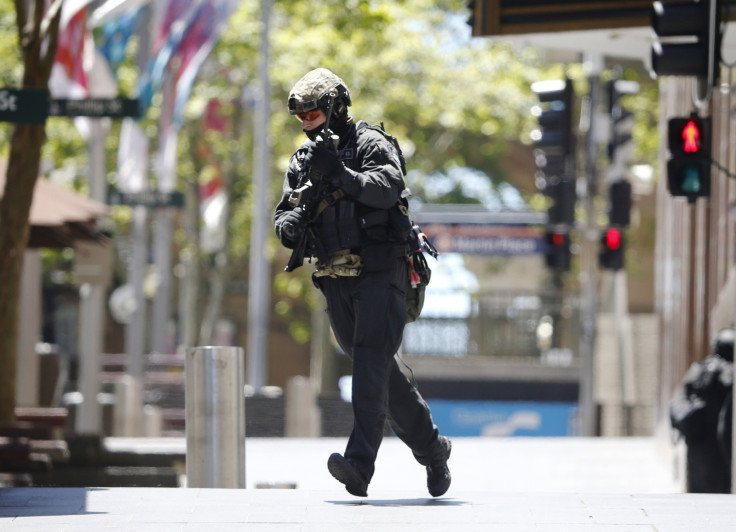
{"x":313,"y":91}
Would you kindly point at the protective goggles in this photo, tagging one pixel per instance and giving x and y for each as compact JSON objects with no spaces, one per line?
{"x":309,"y":115}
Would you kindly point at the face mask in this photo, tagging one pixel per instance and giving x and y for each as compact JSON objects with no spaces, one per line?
{"x":315,"y":134}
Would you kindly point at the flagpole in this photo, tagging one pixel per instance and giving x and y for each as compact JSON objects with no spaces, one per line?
{"x":92,"y":302}
{"x":259,"y":282}
{"x":164,"y":222}
{"x":129,"y":420}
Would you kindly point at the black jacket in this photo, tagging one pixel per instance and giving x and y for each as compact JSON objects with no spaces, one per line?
{"x":365,"y":218}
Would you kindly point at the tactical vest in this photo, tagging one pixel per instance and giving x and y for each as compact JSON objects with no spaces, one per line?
{"x":348,"y":224}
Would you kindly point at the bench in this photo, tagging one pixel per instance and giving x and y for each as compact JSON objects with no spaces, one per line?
{"x":32,"y":445}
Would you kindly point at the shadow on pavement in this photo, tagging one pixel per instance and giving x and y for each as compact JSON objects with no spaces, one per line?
{"x":24,"y":502}
{"x":401,"y":502}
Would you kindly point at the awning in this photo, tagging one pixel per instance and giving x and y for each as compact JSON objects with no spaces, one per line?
{"x":60,"y":216}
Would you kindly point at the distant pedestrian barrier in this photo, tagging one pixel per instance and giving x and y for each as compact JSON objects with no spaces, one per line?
{"x":215,"y":417}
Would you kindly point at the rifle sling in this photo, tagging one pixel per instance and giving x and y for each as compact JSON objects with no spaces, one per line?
{"x":329,"y":200}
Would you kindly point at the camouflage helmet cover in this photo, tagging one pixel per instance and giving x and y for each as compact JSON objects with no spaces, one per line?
{"x":313,"y":90}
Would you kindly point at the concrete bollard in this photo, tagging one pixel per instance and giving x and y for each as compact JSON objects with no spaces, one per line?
{"x":215,"y":417}
{"x":127,"y":414}
{"x":153,"y":421}
{"x":302,"y":415}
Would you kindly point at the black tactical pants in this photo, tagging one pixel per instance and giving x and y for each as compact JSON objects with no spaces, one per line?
{"x":368,"y":314}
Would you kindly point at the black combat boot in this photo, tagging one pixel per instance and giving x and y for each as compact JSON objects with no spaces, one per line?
{"x":438,"y":475}
{"x":344,"y":472}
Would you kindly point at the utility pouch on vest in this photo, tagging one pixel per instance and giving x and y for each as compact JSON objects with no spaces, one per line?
{"x":343,"y":264}
{"x":419,"y":272}
{"x":414,"y":294}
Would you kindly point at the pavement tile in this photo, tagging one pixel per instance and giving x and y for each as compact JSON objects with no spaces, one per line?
{"x":509,"y":485}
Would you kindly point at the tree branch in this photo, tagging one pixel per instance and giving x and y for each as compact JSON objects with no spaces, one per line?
{"x":50,"y":30}
{"x":21,"y":25}
{"x":51,"y":19}
{"x":21,"y":16}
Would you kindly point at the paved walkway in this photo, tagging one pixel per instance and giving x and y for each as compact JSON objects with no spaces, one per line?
{"x":515,"y":484}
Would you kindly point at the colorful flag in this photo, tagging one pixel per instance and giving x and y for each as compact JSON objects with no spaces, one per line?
{"x":178,"y":18}
{"x":198,"y":44}
{"x":79,"y":70}
{"x":205,"y":24}
{"x":70,"y":9}
{"x":113,"y":9}
{"x":68,"y":78}
{"x":114,"y":35}
{"x":132,"y":158}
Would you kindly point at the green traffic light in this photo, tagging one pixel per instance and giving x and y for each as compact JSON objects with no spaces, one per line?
{"x":691,"y":184}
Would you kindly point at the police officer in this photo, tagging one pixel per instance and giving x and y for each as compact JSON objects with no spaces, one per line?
{"x":354,"y":227}
{"x":702,"y":413}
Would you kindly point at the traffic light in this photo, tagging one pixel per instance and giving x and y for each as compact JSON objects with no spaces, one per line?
{"x":563,"y":194}
{"x":688,"y":168}
{"x":558,"y":252}
{"x":554,"y":116}
{"x":619,"y":203}
{"x":688,"y":39}
{"x":613,"y":246}
{"x":622,"y":120}
{"x":554,"y":147}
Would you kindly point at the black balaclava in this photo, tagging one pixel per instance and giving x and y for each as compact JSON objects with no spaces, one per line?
{"x":339,"y":123}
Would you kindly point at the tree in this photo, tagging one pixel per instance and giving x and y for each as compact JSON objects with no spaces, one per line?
{"x":451,"y":101}
{"x":37,"y":35}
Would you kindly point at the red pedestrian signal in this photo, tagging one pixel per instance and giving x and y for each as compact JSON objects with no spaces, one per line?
{"x":613,"y":239}
{"x":690,"y":137}
{"x":613,"y":247}
{"x":558,"y":252}
{"x":688,"y":167}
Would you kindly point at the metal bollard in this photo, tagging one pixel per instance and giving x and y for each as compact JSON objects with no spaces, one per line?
{"x":215,"y":417}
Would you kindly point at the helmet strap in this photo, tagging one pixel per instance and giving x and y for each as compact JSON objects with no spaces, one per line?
{"x":331,"y":97}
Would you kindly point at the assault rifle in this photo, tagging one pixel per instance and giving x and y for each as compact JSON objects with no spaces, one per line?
{"x":309,"y":193}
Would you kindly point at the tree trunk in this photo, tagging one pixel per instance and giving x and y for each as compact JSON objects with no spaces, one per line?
{"x":15,"y":206}
{"x":38,"y":35}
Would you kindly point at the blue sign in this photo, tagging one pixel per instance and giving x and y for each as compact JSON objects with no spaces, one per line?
{"x":501,"y":418}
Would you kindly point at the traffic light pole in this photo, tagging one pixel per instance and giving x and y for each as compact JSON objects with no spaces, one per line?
{"x":625,"y":348}
{"x":588,"y":256}
{"x":259,"y":278}
{"x":588,"y":252}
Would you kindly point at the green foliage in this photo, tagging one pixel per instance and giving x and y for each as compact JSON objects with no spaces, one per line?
{"x":452,"y":101}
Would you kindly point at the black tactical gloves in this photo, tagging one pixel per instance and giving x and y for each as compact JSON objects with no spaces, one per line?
{"x":324,"y":162}
{"x":326,"y":165}
{"x":290,"y":227}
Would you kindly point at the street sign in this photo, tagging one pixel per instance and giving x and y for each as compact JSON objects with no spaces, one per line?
{"x":96,"y":107}
{"x":150,"y":198}
{"x":28,"y":106}
{"x":479,"y":239}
